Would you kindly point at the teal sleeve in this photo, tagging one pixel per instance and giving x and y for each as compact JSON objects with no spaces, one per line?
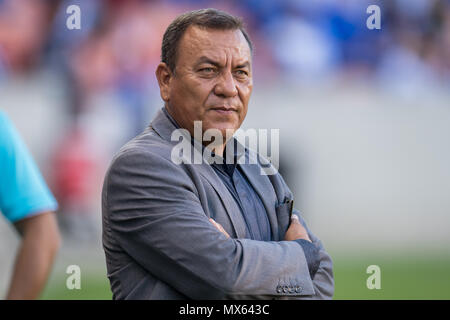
{"x":23,"y":191}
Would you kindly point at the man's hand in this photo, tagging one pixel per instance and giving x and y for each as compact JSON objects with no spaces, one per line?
{"x":219,"y":227}
{"x":296,"y":230}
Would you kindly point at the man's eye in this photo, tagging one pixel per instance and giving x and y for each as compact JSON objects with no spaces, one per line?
{"x":207,"y":70}
{"x":241,"y":72}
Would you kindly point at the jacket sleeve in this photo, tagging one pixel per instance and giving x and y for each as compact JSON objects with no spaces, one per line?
{"x":323,"y":280}
{"x":154,"y":214}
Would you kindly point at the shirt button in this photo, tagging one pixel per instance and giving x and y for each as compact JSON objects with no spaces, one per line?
{"x":298,"y":289}
{"x":279,"y":289}
{"x":285,"y":289}
{"x":291,"y":289}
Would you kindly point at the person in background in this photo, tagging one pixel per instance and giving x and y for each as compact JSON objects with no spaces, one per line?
{"x":28,"y":204}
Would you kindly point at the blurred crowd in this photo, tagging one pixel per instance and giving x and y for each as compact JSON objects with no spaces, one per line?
{"x":105,"y":70}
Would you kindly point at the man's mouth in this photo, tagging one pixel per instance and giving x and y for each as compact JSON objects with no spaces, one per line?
{"x":224,"y":109}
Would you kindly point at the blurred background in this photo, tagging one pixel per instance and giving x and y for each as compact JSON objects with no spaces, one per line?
{"x":364,"y":119}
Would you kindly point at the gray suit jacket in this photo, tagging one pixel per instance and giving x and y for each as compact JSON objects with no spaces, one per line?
{"x":159,"y":243}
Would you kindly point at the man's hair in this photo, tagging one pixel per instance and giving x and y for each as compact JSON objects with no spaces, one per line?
{"x":204,"y":18}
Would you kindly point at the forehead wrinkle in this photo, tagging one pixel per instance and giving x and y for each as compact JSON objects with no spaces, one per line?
{"x":199,"y":42}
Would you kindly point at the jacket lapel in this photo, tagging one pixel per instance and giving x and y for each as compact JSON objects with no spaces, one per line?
{"x":265,"y":191}
{"x":228,"y":202}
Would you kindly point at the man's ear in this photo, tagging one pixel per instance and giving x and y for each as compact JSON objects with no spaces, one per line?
{"x":164,"y":76}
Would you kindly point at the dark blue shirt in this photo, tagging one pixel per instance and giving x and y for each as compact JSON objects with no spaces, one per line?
{"x":251,"y":206}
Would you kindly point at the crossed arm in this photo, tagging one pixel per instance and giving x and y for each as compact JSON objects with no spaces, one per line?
{"x":156,"y":217}
{"x":297,"y":230}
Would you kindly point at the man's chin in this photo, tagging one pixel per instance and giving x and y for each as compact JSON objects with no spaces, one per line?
{"x":223,"y":126}
{"x":220,"y":128}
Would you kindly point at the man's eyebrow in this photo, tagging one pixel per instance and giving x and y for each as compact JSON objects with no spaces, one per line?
{"x":205,"y":59}
{"x":246,"y":64}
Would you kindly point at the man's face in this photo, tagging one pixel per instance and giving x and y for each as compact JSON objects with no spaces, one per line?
{"x":212,"y":80}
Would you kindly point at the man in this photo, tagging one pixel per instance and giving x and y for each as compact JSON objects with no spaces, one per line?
{"x":27,"y":203}
{"x":184,"y":230}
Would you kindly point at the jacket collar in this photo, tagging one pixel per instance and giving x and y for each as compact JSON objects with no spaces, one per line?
{"x":163,"y":125}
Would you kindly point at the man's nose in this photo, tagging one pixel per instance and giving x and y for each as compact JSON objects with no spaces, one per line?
{"x":226,"y":85}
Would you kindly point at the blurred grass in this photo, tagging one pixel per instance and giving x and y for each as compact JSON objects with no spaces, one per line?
{"x":403,"y":276}
{"x":425,"y":276}
{"x":94,"y":286}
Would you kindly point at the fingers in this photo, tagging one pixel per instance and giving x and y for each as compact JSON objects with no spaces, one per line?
{"x":295,"y":219}
{"x":213,"y":222}
{"x":219,"y":227}
{"x":296,"y":230}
